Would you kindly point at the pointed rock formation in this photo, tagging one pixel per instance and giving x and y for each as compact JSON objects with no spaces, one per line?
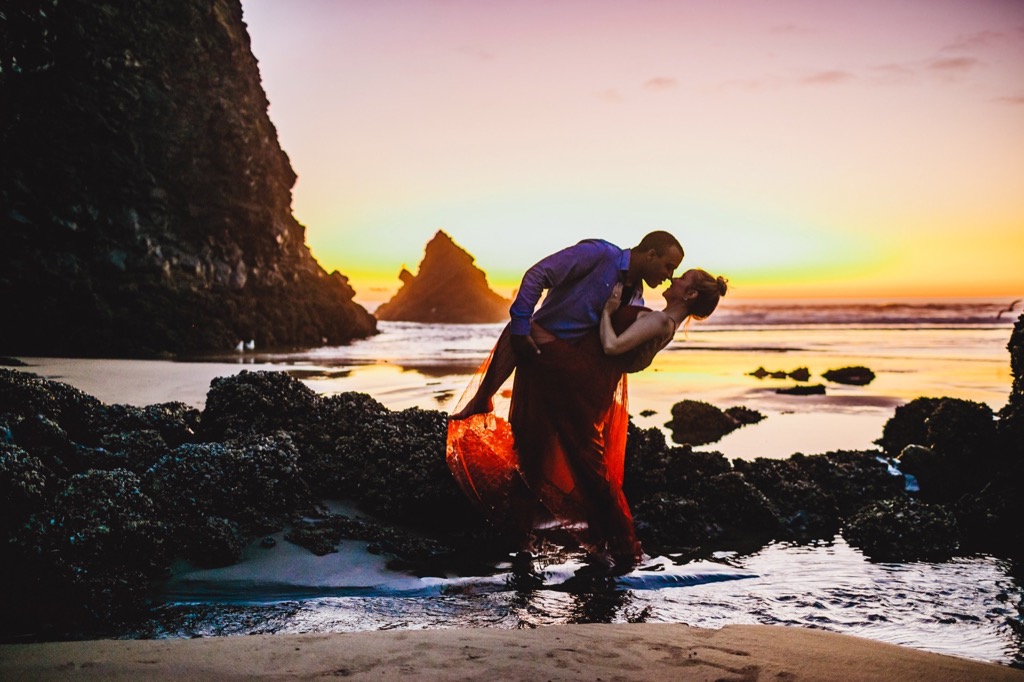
{"x":448,"y":288}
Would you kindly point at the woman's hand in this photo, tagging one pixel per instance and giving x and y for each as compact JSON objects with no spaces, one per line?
{"x":612,"y":304}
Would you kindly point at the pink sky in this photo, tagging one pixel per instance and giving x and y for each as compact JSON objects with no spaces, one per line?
{"x":802,"y":148}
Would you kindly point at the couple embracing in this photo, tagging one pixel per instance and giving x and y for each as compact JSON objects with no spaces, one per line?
{"x":557,"y":464}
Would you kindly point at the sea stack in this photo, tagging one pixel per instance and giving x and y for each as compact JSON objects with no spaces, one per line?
{"x":145,"y":201}
{"x":448,"y":288}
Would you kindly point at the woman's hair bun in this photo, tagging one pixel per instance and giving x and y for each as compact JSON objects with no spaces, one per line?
{"x":723,"y":285}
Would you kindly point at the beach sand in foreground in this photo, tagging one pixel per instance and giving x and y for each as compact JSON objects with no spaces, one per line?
{"x":566,"y":652}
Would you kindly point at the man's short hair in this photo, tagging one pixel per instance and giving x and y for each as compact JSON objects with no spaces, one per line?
{"x":660,"y":241}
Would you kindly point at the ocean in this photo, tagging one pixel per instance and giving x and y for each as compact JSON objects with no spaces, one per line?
{"x":972,"y":606}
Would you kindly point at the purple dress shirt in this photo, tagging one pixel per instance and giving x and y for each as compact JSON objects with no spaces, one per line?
{"x":579,"y":280}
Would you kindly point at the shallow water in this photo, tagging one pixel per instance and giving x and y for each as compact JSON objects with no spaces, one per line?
{"x":967,"y":607}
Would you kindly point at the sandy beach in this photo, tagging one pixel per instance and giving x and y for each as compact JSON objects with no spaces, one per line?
{"x":570,"y":652}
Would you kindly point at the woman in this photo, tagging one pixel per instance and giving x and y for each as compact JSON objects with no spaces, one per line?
{"x":558,"y":462}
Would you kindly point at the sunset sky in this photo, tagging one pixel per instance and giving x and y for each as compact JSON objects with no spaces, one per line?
{"x":802,"y":148}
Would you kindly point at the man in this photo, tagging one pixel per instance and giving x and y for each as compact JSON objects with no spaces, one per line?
{"x":578,"y":279}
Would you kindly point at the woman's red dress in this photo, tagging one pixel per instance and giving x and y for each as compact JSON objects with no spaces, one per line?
{"x":558,"y":461}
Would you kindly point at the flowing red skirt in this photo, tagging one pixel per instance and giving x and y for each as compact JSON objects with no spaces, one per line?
{"x":558,"y":461}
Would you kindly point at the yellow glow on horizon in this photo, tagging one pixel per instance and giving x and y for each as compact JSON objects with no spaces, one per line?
{"x":870,"y":149}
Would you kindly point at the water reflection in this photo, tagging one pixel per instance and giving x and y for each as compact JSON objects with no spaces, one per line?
{"x":971,"y":607}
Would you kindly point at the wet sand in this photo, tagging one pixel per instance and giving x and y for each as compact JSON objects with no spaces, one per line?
{"x":567,"y":652}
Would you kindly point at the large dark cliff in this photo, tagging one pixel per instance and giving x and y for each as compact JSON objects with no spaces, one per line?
{"x":145,"y":203}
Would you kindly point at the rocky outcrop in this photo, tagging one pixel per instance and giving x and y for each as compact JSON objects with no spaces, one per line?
{"x":447,"y":288}
{"x":145,"y":201}
{"x":968,"y":460}
{"x":904,"y":530}
{"x":855,"y":376}
{"x":695,"y":422}
{"x":798,"y":374}
{"x":809,"y":389}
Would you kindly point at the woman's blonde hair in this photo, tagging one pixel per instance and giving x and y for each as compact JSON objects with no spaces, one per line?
{"x":710,"y":290}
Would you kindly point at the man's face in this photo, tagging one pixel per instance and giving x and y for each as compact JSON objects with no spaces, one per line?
{"x":659,"y":268}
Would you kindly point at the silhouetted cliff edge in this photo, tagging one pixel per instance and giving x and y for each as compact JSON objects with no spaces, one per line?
{"x":447,"y":288}
{"x":145,"y":203}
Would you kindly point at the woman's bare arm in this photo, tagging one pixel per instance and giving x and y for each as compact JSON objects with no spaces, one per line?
{"x":648,"y":325}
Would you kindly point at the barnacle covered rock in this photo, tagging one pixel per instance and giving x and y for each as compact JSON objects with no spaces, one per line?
{"x":854,"y":477}
{"x":990,"y":519}
{"x":27,"y":395}
{"x":805,"y":509}
{"x":959,"y":450}
{"x":904,"y":529}
{"x":211,"y":541}
{"x":97,"y":549}
{"x":654,"y":467}
{"x":908,"y":425}
{"x":744,"y":415}
{"x":44,"y":438}
{"x":175,"y":422}
{"x":340,"y":416}
{"x":394,"y":467}
{"x":735,"y":505}
{"x":254,"y":481}
{"x":257,"y":402}
{"x":137,"y":450}
{"x":669,"y":523}
{"x":24,"y":482}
